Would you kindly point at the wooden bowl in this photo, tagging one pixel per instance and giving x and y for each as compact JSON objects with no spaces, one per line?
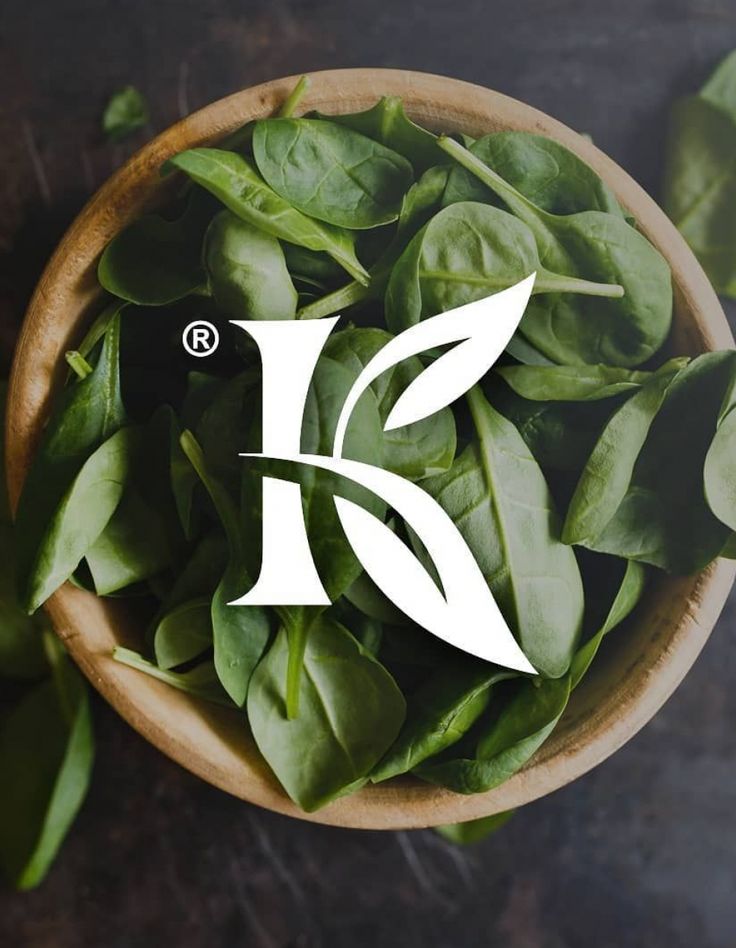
{"x":641,"y":665}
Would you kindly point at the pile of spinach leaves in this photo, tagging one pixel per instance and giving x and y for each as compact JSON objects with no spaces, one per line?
{"x":587,"y":457}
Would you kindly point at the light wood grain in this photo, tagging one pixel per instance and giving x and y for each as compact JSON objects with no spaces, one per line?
{"x":640,"y":666}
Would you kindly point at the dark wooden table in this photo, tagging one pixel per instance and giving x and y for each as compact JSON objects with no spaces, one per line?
{"x":639,"y":852}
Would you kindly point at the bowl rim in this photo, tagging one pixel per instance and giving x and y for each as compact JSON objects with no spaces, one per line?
{"x":66,"y":282}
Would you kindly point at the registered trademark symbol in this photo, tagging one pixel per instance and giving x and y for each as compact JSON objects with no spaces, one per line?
{"x":200,"y":338}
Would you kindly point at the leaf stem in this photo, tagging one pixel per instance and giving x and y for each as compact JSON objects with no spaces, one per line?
{"x":294,"y":98}
{"x":341,"y":298}
{"x":521,"y":206}
{"x":177,"y":680}
{"x":297,"y":625}
{"x":547,"y":282}
{"x":78,"y":364}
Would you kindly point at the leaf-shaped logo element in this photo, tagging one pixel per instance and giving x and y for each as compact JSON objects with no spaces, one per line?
{"x":467,"y":615}
{"x":482,"y":328}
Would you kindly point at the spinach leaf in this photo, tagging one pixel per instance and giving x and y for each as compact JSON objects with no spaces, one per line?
{"x":235,"y":182}
{"x":184,"y":633}
{"x":336,"y":564}
{"x":523,"y":351}
{"x":571,"y":383}
{"x":125,"y":112}
{"x":343,"y":745}
{"x":89,"y":412}
{"x":597,"y":246}
{"x":720,"y":89}
{"x":720,"y":470}
{"x":520,"y":729}
{"x":96,"y":332}
{"x":560,"y":435}
{"x":439,"y":714}
{"x":145,"y":536}
{"x":628,"y":595}
{"x":473,"y":831}
{"x":156,"y":261}
{"x":419,"y":204}
{"x":330,"y":172}
{"x":201,"y":573}
{"x":416,"y":450}
{"x":83,"y":513}
{"x":239,"y":633}
{"x":225,"y":428}
{"x":247,"y":270}
{"x":312,"y":266}
{"x":388,"y":123}
{"x":607,"y":473}
{"x":368,"y":599}
{"x":700,"y":175}
{"x":465,"y":252}
{"x":46,"y":751}
{"x":664,"y":519}
{"x":133,"y":546}
{"x":500,"y":502}
{"x":541,"y":169}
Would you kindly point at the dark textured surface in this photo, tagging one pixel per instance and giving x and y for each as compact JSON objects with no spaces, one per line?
{"x":638,"y":853}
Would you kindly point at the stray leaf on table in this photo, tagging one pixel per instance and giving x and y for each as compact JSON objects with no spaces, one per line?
{"x":125,"y":112}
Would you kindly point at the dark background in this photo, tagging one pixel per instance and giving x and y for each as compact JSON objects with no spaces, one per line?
{"x":639,"y":852}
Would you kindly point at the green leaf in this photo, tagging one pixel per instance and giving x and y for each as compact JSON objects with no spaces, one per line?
{"x":133,"y":546}
{"x":664,"y":518}
{"x":700,"y":174}
{"x":201,"y":573}
{"x":225,"y":428}
{"x":628,"y":595}
{"x":474,"y":831}
{"x":82,"y":515}
{"x":419,"y":204}
{"x":331,"y":172}
{"x":700,"y":185}
{"x":595,"y":246}
{"x":156,"y":261}
{"x":560,"y":435}
{"x":236,"y":183}
{"x":46,"y":751}
{"x":500,"y":502}
{"x":125,"y":112}
{"x":388,"y":123}
{"x":571,"y":383}
{"x":541,"y":169}
{"x":239,"y":633}
{"x":184,"y":633}
{"x":312,"y":266}
{"x":466,"y":252}
{"x":247,"y":271}
{"x":343,"y":745}
{"x":509,"y":741}
{"x":443,"y":709}
{"x":368,"y":599}
{"x":719,"y":472}
{"x":334,"y":559}
{"x":607,"y":473}
{"x":89,"y":412}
